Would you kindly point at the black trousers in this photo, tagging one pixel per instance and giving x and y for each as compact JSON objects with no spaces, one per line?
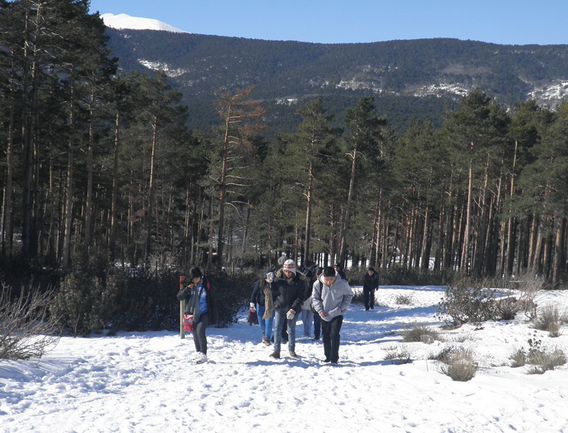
{"x":369,"y":298}
{"x":330,"y":337}
{"x":199,"y":337}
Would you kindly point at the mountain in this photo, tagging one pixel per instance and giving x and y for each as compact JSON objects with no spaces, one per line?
{"x":411,"y":78}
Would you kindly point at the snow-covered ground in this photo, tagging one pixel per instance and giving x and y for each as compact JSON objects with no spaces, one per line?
{"x":123,"y":21}
{"x":146,"y":382}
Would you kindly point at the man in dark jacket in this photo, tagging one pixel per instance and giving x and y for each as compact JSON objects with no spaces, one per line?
{"x":370,"y":286}
{"x":288,"y":294}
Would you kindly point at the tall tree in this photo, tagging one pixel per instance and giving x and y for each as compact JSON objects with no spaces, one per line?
{"x":363,"y":140}
{"x":306,"y":153}
{"x":241,"y":117}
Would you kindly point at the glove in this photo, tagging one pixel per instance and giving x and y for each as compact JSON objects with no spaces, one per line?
{"x":290,"y":314}
{"x":252,"y":307}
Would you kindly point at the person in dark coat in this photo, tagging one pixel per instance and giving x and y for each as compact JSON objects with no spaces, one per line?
{"x":263,"y":306}
{"x":370,"y":286}
{"x":339,"y":271}
{"x":288,"y":294}
{"x":200,"y":302}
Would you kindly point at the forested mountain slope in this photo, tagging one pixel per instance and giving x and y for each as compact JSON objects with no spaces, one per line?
{"x":414,"y":78}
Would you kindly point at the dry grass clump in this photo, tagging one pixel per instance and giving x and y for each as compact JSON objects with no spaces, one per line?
{"x":549,"y":320}
{"x":461,"y":365}
{"x":538,"y":357}
{"x":398,"y":355}
{"x":420,"y":334}
{"x":403,"y":299}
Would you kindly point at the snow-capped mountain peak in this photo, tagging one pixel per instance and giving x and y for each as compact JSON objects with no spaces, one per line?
{"x":123,"y":21}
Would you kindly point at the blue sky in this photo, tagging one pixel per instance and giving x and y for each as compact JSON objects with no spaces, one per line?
{"x":511,"y":22}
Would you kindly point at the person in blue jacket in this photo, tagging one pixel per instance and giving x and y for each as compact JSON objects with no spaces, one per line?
{"x":200,"y":302}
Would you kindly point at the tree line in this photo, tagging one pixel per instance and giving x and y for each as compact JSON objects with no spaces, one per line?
{"x":99,"y":166}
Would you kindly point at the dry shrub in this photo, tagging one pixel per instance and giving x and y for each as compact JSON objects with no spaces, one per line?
{"x":543,"y":359}
{"x":518,"y":358}
{"x":548,"y":320}
{"x":467,"y":301}
{"x":461,"y":366}
{"x":420,"y":333}
{"x":26,"y":328}
{"x":403,"y":299}
{"x":398,"y":355}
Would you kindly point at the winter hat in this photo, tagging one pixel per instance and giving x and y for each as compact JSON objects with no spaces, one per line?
{"x":371,"y":269}
{"x":195,"y":273}
{"x":282,"y":259}
{"x":328,"y":272}
{"x":289,"y":265}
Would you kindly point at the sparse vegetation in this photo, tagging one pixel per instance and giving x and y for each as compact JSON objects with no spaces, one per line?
{"x":420,"y":333}
{"x":398,"y":355}
{"x":548,"y":320}
{"x":403,"y":299}
{"x":26,"y":328}
{"x":540,"y":358}
{"x":461,"y":365}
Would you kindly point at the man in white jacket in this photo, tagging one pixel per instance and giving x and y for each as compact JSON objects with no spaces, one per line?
{"x":331,"y":297}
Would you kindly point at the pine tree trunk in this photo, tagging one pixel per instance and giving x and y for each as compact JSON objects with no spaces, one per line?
{"x":114,"y":193}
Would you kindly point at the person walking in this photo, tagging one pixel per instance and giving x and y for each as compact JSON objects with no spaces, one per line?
{"x":200,"y":302}
{"x":331,"y":298}
{"x":339,"y":271}
{"x":261,"y":302}
{"x":288,"y":294}
{"x":370,"y":286}
{"x":307,"y":314}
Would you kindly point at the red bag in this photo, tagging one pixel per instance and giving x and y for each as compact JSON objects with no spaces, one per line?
{"x":188,"y":324}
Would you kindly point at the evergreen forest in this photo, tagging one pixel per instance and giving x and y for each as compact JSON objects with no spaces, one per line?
{"x":100,"y":172}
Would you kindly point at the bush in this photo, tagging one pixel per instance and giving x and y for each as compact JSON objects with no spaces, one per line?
{"x":232,"y":294}
{"x":461,"y":366}
{"x":541,"y":358}
{"x":518,"y":358}
{"x":549,"y":320}
{"x":467,"y":301}
{"x":403,"y":299}
{"x":420,"y":333}
{"x":26,"y":328}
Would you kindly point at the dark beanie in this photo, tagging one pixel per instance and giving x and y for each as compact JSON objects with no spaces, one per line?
{"x":195,"y":273}
{"x":328,"y":272}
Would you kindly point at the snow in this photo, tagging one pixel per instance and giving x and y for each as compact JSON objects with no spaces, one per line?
{"x":123,"y":21}
{"x":145,"y":382}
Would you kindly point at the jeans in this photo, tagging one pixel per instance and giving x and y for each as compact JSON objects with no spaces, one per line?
{"x":317,"y":326}
{"x":265,"y":324}
{"x":199,"y":337}
{"x":279,"y":318}
{"x":331,"y":337}
{"x":307,"y":318}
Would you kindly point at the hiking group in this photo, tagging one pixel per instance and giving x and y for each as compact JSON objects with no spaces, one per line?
{"x":320,"y":297}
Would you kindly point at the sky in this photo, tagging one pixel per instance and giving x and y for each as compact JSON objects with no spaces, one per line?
{"x":147,"y":381}
{"x":509,"y":22}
